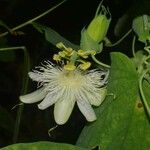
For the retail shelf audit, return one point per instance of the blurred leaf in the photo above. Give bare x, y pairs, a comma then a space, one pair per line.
52, 36
3, 42
3, 25
7, 56
40, 28
42, 146
6, 121
119, 29
8, 53
123, 124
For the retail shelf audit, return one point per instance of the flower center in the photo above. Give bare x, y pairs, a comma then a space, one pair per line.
71, 79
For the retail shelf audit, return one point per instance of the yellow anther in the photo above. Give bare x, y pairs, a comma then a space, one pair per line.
62, 54
69, 52
56, 57
70, 66
85, 54
69, 49
82, 53
63, 47
85, 65
60, 45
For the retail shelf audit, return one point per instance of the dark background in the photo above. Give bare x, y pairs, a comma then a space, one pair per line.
68, 20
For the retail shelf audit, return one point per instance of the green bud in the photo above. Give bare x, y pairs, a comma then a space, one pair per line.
88, 44
92, 37
98, 27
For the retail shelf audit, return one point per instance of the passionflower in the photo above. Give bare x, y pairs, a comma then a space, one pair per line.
98, 27
64, 88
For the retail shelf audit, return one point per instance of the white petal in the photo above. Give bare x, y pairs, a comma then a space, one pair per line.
86, 110
51, 98
35, 76
97, 98
48, 101
63, 109
91, 96
33, 97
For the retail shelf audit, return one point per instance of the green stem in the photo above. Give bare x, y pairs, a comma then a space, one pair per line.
133, 46
120, 40
142, 93
23, 91
100, 63
32, 20
11, 48
24, 86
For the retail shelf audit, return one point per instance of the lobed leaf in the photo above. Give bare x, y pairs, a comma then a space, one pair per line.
122, 123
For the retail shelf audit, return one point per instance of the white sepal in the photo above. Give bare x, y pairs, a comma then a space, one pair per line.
86, 110
33, 97
63, 110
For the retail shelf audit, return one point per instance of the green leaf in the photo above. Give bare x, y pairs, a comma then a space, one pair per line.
6, 120
42, 146
122, 123
141, 26
121, 28
52, 36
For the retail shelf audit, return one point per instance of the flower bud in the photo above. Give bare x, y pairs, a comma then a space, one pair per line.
92, 37
98, 27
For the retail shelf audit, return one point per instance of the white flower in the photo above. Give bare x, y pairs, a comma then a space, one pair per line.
64, 88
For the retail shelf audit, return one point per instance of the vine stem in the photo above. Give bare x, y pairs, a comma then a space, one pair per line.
31, 20
100, 63
133, 46
120, 40
142, 93
23, 91
24, 87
